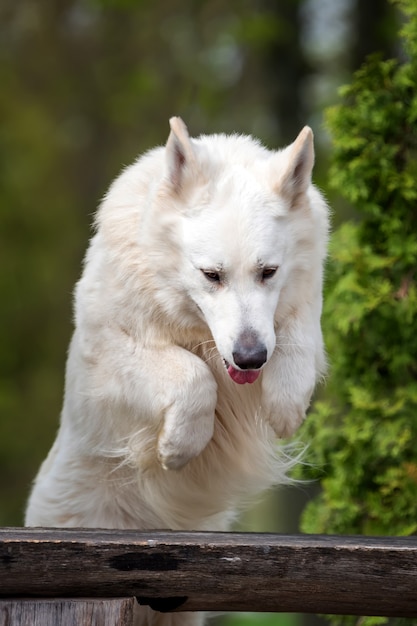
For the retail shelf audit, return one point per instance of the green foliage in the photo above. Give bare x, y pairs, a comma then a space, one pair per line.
256, 619
363, 433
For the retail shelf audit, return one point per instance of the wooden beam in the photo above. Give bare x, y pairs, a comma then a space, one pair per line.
214, 571
109, 611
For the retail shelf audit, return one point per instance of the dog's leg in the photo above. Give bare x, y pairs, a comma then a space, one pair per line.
290, 376
189, 398
165, 386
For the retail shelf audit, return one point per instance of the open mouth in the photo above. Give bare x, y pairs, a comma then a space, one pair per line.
242, 376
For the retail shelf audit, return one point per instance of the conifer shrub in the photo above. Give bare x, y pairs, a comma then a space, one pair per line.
363, 431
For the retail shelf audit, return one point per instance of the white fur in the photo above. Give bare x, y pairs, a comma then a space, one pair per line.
154, 432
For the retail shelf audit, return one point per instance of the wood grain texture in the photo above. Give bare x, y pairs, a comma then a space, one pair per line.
214, 571
87, 612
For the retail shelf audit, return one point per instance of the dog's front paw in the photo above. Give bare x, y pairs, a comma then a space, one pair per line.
177, 448
285, 418
285, 409
287, 386
188, 424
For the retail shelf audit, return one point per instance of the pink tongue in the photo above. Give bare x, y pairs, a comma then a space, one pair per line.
241, 377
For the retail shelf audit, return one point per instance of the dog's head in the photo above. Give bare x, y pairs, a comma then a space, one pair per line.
237, 203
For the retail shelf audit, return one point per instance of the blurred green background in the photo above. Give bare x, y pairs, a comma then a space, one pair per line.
86, 85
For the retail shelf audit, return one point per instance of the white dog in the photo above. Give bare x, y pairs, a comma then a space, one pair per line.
205, 273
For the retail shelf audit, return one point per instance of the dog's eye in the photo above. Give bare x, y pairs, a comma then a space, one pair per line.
268, 272
213, 277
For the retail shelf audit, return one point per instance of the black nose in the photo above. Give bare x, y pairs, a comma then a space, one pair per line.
249, 352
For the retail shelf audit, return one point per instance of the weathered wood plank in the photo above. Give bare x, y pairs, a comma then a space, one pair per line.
68, 612
215, 571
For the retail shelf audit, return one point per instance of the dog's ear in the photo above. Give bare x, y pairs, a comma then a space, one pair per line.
180, 153
297, 164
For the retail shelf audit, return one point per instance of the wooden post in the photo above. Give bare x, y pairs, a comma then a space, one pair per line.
70, 612
214, 571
